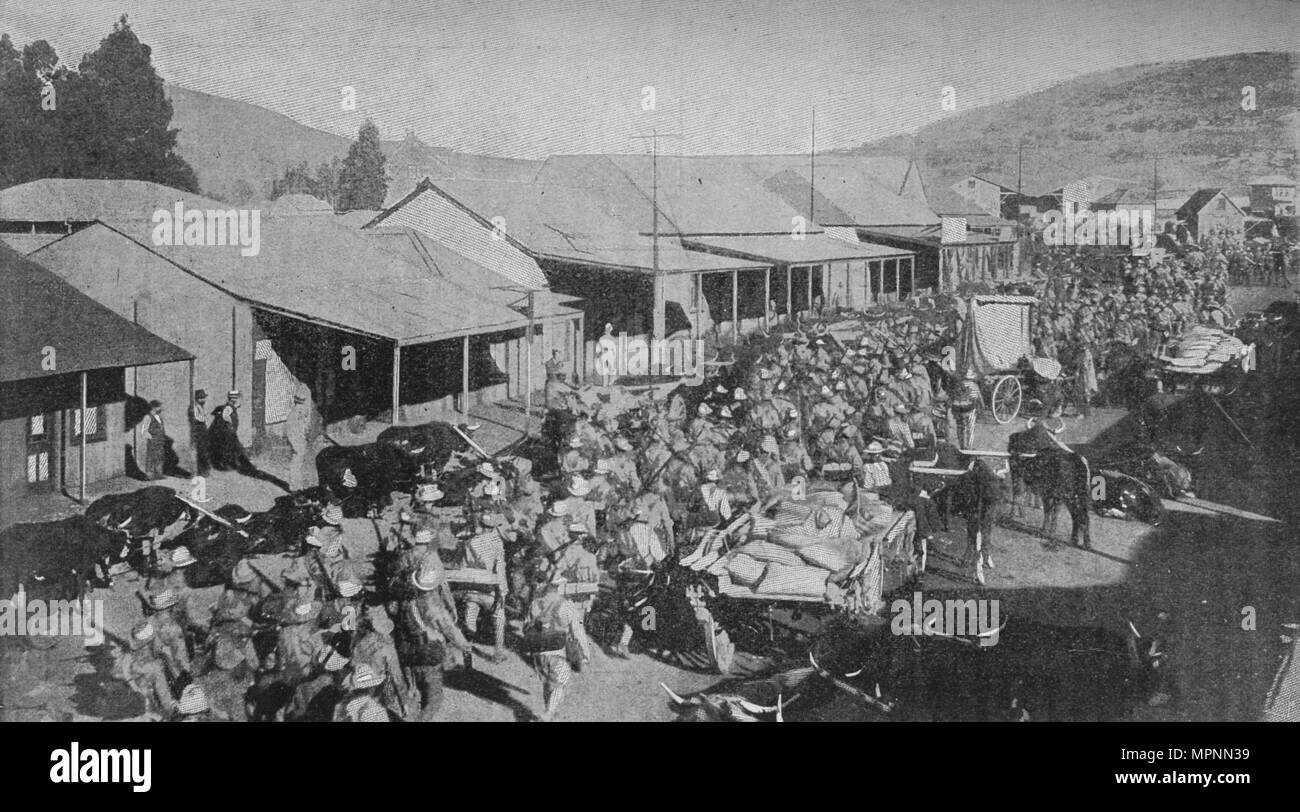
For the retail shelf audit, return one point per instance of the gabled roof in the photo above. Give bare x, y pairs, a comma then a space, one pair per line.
1199, 200
38, 310
1124, 197
312, 269
696, 194
595, 224
474, 279
83, 200
845, 197
468, 232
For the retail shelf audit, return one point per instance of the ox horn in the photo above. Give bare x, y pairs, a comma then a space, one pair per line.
125, 522
674, 696
755, 708
780, 715
1135, 631
877, 690
1029, 422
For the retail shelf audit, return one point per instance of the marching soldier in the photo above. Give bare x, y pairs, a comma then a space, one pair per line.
897, 428
875, 471
554, 532
146, 671
486, 551
358, 702
170, 639
738, 481
375, 649
964, 404
426, 630
921, 429
556, 625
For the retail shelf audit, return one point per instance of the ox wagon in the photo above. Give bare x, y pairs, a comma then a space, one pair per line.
767, 585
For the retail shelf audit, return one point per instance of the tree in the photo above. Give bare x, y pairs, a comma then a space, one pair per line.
110, 117
362, 182
124, 114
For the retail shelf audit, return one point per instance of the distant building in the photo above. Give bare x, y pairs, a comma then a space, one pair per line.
988, 194
1272, 196
1210, 210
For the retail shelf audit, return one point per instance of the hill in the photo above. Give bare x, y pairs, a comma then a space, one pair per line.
1115, 122
237, 148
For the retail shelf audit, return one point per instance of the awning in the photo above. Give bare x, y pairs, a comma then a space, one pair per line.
46, 322
787, 249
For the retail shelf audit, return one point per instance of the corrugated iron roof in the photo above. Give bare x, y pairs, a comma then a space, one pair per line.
844, 196
472, 278
787, 250
597, 224
38, 310
83, 200
313, 269
468, 232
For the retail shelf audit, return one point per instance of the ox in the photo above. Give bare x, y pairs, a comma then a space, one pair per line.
58, 559
1045, 467
431, 443
978, 497
378, 468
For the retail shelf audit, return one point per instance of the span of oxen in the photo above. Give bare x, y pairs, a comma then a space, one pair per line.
1034, 672
978, 496
1044, 466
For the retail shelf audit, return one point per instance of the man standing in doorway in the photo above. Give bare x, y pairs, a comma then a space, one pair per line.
295, 431
199, 432
232, 410
554, 376
156, 445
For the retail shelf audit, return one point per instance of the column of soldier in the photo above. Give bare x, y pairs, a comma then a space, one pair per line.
1088, 305
332, 637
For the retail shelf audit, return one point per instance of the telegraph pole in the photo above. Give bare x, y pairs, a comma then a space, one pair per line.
660, 292
812, 176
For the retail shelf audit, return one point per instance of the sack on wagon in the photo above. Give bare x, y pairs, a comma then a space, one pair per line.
772, 553
798, 581
745, 569
827, 555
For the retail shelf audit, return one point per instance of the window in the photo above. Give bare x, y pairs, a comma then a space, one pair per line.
94, 425
39, 445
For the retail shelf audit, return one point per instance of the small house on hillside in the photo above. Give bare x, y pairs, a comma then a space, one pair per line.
1210, 210
1272, 196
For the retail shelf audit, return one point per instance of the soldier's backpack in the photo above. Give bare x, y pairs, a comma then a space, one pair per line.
546, 633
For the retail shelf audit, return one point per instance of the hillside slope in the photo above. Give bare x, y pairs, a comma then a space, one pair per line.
1187, 114
237, 148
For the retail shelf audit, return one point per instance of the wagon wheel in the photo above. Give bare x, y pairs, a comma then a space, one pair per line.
1005, 402
716, 642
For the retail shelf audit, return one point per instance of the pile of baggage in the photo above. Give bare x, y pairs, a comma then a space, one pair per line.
812, 550
1202, 351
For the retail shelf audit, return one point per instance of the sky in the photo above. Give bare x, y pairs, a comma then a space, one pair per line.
527, 79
